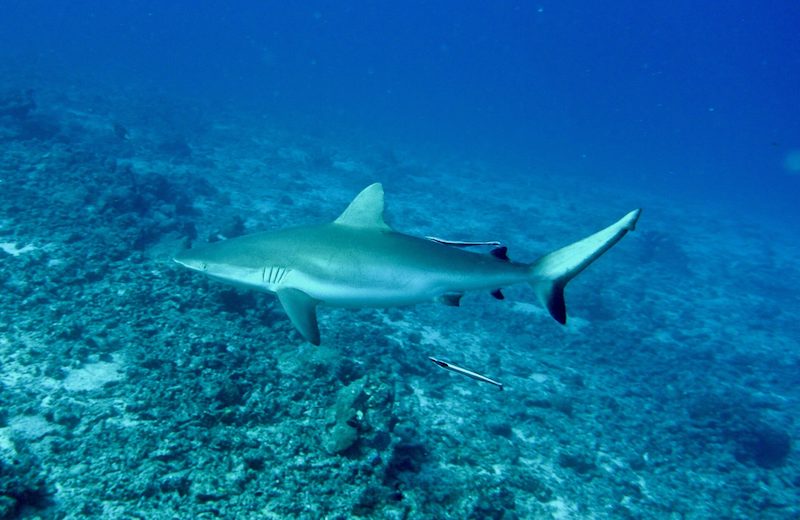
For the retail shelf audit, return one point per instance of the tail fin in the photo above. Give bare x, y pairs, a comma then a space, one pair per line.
551, 273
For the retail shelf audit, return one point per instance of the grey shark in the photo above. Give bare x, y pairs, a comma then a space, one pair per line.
359, 261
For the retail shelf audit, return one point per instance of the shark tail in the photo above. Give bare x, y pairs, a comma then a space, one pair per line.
551, 273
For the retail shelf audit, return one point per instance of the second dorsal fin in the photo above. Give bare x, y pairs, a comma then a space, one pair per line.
500, 253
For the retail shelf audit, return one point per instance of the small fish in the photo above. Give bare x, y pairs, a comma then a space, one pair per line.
465, 372
458, 243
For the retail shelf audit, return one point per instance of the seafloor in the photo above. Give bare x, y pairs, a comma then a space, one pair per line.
130, 388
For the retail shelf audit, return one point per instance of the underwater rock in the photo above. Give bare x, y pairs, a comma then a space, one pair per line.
499, 427
363, 412
763, 444
407, 457
348, 371
737, 420
21, 481
497, 505
178, 482
529, 482
580, 463
351, 400
254, 459
229, 393
66, 415
341, 438
562, 403
370, 499
207, 489
345, 415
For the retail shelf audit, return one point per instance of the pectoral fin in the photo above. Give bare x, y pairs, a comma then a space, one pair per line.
302, 310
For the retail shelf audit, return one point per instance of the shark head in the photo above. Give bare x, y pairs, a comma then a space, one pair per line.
191, 261
217, 261
264, 261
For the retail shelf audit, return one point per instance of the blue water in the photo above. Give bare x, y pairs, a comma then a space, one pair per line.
696, 99
163, 124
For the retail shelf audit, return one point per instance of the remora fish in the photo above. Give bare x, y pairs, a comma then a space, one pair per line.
359, 261
465, 372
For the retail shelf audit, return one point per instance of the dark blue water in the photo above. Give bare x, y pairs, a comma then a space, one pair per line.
130, 387
698, 100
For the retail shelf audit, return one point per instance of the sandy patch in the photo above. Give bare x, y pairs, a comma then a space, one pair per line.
12, 249
92, 376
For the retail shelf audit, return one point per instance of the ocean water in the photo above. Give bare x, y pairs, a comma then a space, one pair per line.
133, 130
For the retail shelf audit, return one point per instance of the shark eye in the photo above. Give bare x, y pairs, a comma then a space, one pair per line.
205, 267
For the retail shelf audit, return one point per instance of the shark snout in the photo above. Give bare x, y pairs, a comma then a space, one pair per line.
188, 262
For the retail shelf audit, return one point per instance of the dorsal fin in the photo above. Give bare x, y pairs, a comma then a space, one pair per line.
366, 210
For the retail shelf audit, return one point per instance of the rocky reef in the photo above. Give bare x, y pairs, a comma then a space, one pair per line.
132, 389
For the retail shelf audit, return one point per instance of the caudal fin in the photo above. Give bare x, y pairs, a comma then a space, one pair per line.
551, 273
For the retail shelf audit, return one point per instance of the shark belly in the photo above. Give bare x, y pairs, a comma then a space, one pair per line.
372, 292
380, 285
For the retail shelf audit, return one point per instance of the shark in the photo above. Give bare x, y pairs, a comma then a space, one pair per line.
359, 261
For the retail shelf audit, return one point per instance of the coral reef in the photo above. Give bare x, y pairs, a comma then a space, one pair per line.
129, 388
